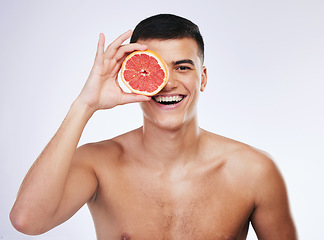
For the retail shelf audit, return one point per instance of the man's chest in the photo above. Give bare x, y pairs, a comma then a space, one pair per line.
146, 206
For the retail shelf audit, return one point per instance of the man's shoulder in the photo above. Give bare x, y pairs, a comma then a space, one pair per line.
100, 147
233, 146
256, 165
110, 148
240, 155
253, 159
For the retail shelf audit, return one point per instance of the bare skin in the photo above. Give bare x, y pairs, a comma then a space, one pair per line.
166, 180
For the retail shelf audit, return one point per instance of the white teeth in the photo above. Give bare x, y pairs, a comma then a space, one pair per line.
168, 99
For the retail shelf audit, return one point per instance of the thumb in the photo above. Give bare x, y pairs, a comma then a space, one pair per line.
133, 97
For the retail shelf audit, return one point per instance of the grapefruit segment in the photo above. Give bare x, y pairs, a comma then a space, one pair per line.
144, 72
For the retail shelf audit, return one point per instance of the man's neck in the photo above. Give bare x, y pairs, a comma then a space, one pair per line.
171, 146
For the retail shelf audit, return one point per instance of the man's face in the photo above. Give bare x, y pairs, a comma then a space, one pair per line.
187, 77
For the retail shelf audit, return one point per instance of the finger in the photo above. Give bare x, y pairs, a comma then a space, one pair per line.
123, 50
113, 47
133, 97
100, 48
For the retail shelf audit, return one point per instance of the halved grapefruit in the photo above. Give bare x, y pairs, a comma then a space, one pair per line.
144, 72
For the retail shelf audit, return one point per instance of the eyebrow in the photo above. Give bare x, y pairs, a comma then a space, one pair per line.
184, 61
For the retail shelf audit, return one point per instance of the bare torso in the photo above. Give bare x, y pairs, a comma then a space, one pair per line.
207, 198
168, 180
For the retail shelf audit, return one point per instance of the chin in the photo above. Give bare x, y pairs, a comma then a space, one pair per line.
168, 122
164, 122
169, 117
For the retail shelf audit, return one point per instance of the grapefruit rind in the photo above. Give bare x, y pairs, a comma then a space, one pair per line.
161, 64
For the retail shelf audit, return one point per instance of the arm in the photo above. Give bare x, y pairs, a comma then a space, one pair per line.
61, 180
271, 218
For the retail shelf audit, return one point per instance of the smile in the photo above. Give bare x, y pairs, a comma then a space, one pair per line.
168, 100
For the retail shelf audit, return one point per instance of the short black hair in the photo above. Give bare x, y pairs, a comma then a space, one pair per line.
168, 26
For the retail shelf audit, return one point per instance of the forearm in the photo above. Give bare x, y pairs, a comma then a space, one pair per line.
42, 189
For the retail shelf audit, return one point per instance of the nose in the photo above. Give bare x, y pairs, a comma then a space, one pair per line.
171, 83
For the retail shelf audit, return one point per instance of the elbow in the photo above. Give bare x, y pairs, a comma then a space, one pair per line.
24, 224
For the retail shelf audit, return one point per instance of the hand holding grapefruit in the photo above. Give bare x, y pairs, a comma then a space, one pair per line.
101, 90
144, 72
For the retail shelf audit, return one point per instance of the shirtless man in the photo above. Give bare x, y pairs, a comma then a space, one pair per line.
169, 179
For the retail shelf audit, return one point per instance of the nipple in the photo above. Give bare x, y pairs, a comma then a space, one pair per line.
125, 236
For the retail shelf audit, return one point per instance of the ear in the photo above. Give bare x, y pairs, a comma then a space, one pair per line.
203, 79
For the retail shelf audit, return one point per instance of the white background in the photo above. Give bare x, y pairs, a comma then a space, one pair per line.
265, 62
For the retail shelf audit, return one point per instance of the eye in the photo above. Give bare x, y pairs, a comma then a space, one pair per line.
183, 68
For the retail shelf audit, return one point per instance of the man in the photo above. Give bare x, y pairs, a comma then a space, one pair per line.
169, 179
